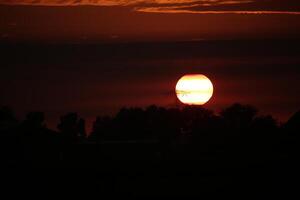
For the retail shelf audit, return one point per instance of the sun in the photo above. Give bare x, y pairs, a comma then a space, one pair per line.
194, 89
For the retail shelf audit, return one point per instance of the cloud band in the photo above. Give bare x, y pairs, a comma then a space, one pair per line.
290, 7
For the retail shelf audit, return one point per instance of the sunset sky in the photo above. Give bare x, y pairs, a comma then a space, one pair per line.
95, 56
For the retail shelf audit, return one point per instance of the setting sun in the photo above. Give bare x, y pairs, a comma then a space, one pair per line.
194, 89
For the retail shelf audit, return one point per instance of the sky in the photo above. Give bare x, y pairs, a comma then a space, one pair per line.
122, 20
95, 56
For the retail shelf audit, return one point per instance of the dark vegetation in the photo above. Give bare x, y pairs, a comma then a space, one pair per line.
156, 151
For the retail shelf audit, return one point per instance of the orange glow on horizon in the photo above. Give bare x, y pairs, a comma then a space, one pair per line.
194, 89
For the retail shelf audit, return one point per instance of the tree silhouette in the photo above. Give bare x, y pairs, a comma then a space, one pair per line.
34, 121
238, 116
9, 146
292, 136
235, 137
265, 123
7, 114
293, 124
72, 127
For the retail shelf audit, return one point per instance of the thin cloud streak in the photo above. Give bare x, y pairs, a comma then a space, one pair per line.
176, 10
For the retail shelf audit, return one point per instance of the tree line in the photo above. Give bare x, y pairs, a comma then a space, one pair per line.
155, 133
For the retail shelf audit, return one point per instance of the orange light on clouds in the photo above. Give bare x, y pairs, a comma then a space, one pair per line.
194, 89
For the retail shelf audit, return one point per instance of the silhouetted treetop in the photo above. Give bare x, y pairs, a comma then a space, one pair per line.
71, 126
6, 114
35, 120
7, 119
238, 116
293, 124
265, 123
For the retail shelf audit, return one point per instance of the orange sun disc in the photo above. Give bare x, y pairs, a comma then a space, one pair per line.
194, 89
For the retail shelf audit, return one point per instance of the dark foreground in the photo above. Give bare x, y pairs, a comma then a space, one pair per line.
157, 152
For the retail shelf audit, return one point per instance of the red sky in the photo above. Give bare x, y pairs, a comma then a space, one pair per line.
114, 20
131, 53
